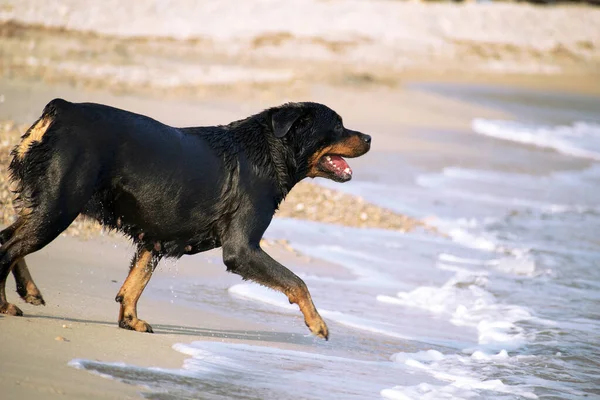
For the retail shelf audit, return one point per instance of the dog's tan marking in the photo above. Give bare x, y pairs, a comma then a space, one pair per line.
301, 296
25, 212
139, 275
26, 287
35, 134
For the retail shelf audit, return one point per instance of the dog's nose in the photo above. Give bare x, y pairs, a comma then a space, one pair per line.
367, 139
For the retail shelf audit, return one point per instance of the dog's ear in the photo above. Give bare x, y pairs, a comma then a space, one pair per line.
284, 118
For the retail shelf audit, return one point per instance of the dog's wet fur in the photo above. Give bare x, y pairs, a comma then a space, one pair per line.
174, 191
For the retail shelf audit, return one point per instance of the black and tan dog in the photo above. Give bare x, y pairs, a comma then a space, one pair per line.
174, 191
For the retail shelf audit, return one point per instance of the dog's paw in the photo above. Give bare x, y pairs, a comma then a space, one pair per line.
318, 327
136, 325
29, 292
10, 309
34, 298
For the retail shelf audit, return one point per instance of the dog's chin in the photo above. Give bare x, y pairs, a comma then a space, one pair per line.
334, 167
339, 179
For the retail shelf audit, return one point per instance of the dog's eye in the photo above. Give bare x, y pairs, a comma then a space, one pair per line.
339, 127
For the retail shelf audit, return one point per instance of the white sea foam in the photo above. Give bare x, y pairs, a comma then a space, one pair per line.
520, 263
79, 363
460, 230
463, 373
249, 371
461, 260
468, 239
471, 233
581, 139
458, 269
465, 302
425, 391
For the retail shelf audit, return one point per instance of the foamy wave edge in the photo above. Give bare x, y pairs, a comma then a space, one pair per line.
566, 139
463, 385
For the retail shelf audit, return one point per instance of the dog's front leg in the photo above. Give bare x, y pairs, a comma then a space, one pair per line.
251, 262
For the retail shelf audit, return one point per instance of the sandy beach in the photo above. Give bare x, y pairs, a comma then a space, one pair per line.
407, 84
79, 321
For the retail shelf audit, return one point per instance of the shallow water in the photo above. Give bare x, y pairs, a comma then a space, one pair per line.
506, 307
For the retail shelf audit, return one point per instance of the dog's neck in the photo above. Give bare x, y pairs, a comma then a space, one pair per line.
284, 164
272, 156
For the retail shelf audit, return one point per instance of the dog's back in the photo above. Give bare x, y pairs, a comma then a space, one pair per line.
98, 157
111, 132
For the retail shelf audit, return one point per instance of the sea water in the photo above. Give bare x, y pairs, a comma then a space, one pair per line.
504, 303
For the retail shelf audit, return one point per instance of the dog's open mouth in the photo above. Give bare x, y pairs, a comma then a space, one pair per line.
336, 166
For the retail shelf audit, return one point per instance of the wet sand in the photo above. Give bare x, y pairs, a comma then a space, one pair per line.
79, 279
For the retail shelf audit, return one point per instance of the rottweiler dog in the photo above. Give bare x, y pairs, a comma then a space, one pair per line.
173, 191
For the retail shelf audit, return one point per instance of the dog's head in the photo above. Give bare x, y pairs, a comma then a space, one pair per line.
319, 139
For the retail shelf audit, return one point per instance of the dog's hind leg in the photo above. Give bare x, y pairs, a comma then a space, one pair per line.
26, 287
56, 208
37, 230
32, 234
143, 264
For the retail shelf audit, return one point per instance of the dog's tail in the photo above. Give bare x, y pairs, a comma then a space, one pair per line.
31, 156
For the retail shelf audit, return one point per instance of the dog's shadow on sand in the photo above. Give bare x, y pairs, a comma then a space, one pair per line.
165, 329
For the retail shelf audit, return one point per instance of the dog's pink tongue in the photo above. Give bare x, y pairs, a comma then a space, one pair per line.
340, 166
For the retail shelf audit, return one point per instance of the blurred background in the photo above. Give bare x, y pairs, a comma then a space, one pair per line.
266, 49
